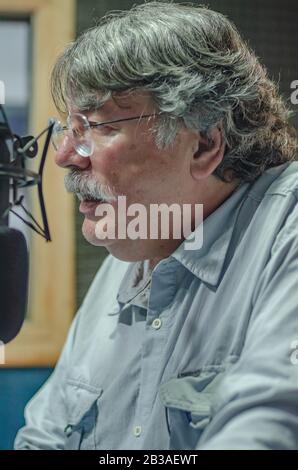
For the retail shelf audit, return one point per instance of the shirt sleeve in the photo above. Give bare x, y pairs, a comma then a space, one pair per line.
45, 414
256, 404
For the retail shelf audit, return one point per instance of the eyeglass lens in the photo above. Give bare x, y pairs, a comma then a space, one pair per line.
78, 130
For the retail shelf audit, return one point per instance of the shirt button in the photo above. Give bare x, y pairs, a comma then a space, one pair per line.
156, 324
137, 431
68, 430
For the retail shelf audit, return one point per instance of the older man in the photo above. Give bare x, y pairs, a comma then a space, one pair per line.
175, 348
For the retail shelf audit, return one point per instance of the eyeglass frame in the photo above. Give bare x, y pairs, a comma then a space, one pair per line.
93, 124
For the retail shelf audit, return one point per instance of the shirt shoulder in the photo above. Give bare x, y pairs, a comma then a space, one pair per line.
287, 182
286, 186
275, 209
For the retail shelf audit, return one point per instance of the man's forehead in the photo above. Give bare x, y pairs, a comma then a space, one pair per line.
122, 101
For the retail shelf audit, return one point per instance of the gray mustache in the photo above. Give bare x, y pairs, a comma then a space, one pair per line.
86, 187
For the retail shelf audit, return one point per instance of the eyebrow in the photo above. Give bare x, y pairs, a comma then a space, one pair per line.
93, 104
102, 114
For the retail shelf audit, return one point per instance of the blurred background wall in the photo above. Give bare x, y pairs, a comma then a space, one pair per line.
271, 29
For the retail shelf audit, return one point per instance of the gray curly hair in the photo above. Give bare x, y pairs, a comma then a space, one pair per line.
198, 70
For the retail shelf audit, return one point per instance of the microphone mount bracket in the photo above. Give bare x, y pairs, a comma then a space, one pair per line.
15, 175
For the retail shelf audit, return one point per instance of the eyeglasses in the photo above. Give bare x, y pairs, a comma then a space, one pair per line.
79, 130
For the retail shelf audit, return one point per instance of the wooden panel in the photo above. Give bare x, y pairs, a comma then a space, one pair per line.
20, 6
52, 270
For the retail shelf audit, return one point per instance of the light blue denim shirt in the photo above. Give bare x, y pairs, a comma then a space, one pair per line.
200, 354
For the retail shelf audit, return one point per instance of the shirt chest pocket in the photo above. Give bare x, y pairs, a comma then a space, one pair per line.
80, 429
188, 402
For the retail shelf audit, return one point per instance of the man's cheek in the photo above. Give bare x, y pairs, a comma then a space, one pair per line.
107, 157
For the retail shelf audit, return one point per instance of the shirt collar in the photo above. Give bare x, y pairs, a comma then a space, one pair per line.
135, 285
207, 262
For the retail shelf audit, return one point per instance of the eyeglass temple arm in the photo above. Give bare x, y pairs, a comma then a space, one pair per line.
95, 124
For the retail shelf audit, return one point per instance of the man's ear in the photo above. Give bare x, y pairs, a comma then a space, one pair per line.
208, 155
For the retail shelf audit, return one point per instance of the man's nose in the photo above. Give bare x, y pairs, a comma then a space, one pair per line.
67, 156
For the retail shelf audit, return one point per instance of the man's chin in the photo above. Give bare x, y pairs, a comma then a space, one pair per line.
91, 235
123, 249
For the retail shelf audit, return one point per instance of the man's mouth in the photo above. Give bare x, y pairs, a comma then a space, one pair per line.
88, 206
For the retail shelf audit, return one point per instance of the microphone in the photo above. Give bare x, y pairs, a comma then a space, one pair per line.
14, 258
13, 282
